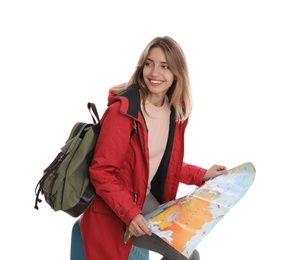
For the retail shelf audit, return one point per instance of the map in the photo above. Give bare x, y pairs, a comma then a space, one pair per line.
184, 222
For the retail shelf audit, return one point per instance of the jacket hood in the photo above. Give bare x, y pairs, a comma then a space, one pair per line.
129, 98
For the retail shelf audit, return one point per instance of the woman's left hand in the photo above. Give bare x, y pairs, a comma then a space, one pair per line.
214, 171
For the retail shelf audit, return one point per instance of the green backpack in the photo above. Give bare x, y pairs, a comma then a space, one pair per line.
65, 183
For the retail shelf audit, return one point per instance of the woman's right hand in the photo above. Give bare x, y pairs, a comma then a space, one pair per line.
138, 226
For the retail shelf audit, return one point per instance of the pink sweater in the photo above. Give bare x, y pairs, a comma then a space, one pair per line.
157, 120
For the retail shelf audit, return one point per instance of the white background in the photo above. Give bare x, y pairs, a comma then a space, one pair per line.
55, 56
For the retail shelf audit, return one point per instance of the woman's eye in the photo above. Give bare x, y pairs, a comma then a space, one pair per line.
165, 66
148, 64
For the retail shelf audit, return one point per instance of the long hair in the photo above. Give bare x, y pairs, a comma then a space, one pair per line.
179, 93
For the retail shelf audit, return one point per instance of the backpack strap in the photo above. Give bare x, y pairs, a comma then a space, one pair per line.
93, 112
95, 116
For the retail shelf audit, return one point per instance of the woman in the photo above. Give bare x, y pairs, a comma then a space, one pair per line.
138, 161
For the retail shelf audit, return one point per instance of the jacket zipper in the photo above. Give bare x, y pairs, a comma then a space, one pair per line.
135, 126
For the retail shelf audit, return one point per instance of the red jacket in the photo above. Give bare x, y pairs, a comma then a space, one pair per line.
119, 173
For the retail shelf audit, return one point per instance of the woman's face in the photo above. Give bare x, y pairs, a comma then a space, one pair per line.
157, 75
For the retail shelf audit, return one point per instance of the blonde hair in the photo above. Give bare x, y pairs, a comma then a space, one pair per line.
180, 92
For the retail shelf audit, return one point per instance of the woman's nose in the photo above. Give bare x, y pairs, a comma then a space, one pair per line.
155, 71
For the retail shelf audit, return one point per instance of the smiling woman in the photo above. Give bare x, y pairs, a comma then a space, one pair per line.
133, 176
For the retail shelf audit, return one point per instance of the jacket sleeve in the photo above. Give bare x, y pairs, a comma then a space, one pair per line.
192, 174
109, 156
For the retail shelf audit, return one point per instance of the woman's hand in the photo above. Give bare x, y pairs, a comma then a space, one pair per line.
215, 171
138, 226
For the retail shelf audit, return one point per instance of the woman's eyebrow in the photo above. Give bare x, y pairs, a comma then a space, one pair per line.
163, 62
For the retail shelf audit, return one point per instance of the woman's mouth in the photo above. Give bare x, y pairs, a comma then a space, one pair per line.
154, 82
